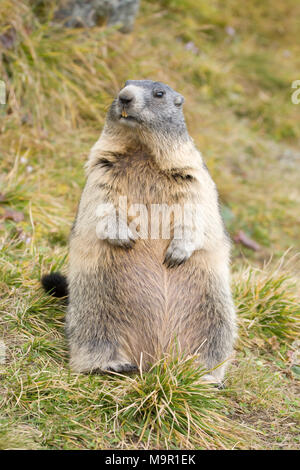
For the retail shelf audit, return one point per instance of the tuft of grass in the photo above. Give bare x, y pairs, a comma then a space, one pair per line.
171, 406
268, 306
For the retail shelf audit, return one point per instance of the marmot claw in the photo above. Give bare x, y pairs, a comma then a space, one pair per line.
177, 254
127, 367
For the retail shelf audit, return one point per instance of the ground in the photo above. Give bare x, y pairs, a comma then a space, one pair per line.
235, 64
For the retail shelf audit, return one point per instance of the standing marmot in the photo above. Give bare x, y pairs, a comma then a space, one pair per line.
132, 296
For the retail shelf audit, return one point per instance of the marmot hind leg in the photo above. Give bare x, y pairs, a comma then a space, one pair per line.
91, 329
214, 330
86, 358
218, 347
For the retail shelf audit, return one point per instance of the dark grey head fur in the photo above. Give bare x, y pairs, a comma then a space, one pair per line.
148, 106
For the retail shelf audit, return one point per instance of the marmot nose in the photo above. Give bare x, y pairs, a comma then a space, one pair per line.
125, 97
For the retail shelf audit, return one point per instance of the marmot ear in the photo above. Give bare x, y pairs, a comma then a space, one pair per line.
178, 101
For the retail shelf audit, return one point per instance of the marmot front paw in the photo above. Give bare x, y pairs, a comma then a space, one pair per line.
127, 242
116, 232
178, 252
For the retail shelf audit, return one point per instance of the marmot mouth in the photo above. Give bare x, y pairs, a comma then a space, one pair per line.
127, 117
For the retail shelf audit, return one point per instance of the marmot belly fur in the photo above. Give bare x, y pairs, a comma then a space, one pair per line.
132, 296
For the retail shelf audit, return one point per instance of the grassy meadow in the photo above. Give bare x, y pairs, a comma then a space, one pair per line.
235, 63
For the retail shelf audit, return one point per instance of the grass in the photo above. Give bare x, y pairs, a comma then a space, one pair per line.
268, 306
234, 64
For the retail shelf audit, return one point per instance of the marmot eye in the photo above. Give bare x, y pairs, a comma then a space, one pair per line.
159, 93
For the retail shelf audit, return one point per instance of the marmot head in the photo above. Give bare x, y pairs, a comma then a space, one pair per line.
148, 106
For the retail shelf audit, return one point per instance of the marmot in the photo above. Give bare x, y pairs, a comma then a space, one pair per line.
132, 297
